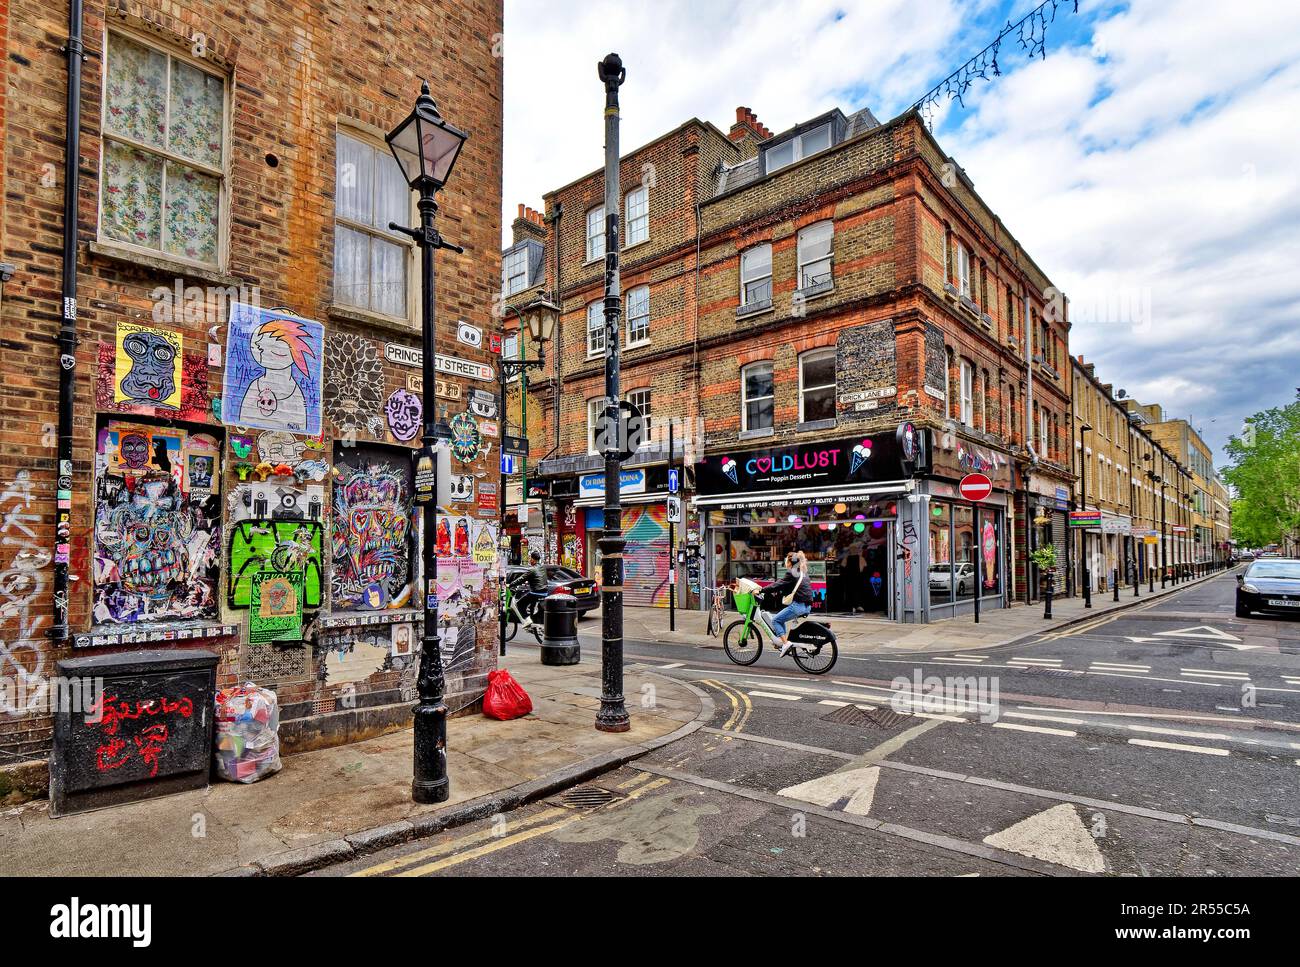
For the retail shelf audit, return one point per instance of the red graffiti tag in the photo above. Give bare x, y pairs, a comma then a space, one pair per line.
110, 714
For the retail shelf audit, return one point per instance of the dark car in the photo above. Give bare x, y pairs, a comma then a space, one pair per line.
560, 578
1270, 584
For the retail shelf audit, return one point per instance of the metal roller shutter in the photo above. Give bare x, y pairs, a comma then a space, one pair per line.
645, 559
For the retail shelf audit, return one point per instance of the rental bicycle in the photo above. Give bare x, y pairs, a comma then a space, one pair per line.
813, 643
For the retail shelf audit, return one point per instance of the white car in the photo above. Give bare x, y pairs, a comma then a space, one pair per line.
941, 576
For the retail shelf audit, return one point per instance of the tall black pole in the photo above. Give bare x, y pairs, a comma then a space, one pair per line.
430, 771
1083, 531
1164, 537
503, 558
672, 545
612, 716
977, 544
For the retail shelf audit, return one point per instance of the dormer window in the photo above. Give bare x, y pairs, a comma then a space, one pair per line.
797, 148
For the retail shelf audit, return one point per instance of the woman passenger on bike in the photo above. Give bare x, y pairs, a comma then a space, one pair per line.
794, 586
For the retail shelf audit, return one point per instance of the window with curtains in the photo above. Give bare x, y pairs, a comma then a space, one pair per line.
638, 315
164, 152
817, 385
757, 396
637, 210
595, 328
596, 233
370, 261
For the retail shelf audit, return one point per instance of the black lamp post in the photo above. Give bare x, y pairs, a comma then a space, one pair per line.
1164, 539
538, 317
1083, 531
426, 148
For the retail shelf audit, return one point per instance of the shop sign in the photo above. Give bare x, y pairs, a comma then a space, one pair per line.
487, 496
1085, 518
1116, 525
1062, 499
854, 460
1179, 529
629, 482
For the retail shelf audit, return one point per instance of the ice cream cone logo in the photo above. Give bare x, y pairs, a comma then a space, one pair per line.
861, 453
729, 468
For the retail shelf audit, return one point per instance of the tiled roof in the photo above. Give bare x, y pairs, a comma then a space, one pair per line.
750, 170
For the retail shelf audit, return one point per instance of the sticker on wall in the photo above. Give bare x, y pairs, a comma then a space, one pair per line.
354, 388
147, 366
202, 471
485, 542
276, 610
403, 640
278, 447
372, 536
132, 450
404, 413
462, 487
194, 402
274, 366
465, 437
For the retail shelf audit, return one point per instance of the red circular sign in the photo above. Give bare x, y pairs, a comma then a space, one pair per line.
975, 486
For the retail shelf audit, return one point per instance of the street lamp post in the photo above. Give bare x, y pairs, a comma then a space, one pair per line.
426, 147
1083, 476
612, 716
538, 317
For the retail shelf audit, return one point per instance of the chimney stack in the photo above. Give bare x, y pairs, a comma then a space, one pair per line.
748, 132
528, 224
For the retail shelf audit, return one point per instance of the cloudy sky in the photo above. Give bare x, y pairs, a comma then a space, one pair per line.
1150, 163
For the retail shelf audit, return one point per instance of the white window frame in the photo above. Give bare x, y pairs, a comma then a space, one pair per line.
746, 281
963, 270
510, 349
595, 413
804, 359
632, 338
798, 152
634, 396
596, 239
514, 266
746, 399
406, 244
596, 312
222, 174
1043, 443
636, 228
808, 236
966, 391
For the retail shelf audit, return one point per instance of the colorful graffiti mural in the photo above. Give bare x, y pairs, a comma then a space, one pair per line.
645, 559
372, 534
273, 371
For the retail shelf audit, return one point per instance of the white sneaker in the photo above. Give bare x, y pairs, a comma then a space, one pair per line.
783, 649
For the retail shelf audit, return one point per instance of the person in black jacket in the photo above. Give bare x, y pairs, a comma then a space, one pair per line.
796, 581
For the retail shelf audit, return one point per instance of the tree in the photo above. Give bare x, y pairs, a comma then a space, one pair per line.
1265, 473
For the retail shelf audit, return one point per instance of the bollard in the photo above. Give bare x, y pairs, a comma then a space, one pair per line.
560, 631
1114, 580
1151, 581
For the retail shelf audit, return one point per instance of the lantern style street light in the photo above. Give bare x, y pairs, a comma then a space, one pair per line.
426, 148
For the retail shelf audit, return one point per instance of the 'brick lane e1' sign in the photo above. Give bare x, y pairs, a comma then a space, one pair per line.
146, 732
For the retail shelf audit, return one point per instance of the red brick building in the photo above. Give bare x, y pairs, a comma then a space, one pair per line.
246, 370
790, 302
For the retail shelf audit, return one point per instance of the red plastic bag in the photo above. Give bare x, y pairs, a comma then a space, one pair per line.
505, 697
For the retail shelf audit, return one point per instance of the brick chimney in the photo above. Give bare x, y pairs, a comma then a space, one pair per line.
748, 132
528, 224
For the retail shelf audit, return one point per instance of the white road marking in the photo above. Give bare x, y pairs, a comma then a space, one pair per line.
1177, 747
1153, 730
784, 698
857, 785
1150, 678
941, 718
1199, 631
1055, 835
1116, 666
1219, 676
1036, 661
1035, 728
968, 661
676, 664
1043, 718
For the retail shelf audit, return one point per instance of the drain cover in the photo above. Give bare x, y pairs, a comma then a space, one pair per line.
588, 797
848, 715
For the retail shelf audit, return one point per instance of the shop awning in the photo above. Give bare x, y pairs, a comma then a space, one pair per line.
807, 496
623, 499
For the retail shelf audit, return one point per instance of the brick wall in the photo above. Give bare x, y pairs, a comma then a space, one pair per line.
296, 73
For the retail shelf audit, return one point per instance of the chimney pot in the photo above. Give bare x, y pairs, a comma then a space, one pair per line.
521, 209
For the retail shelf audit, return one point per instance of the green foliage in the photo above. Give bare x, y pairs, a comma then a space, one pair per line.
1044, 558
1265, 473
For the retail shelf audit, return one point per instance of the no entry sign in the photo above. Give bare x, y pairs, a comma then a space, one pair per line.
975, 487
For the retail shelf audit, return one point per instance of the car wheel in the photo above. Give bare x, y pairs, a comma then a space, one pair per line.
1243, 612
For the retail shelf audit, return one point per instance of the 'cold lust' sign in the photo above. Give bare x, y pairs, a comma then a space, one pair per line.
815, 465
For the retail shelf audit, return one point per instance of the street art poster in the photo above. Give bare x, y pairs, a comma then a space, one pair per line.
260, 545
274, 370
404, 413
156, 541
354, 387
147, 366
373, 540
465, 437
645, 560
276, 610
485, 542
403, 642
194, 401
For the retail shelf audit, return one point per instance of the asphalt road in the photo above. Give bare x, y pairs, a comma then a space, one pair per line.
1161, 741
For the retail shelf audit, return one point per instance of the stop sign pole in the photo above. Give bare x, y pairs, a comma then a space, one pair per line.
976, 487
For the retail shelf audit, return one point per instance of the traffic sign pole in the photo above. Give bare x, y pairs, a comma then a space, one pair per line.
976, 487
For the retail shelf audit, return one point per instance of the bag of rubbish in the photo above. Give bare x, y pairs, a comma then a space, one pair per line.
247, 733
505, 698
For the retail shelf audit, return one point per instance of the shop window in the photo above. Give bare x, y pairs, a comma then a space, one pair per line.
157, 532
756, 276
817, 385
373, 532
757, 396
370, 260
163, 152
596, 234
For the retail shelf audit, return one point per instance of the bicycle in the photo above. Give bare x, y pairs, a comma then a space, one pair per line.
716, 611
515, 617
814, 646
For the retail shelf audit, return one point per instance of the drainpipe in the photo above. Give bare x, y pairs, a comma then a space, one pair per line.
68, 324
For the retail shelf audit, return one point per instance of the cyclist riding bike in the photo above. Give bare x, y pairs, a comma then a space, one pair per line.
534, 581
795, 587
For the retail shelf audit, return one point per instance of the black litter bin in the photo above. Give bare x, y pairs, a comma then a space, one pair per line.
560, 631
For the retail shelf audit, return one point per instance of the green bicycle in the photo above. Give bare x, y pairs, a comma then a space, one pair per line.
814, 647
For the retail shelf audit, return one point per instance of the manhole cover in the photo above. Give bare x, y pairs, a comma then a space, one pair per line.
588, 797
885, 718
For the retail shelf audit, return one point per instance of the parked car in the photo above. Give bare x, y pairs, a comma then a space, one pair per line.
1270, 584
560, 578
941, 577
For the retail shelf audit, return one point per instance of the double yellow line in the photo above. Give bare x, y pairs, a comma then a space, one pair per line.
741, 706
453, 852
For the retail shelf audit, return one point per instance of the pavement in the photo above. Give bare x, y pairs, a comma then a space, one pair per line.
1162, 740
863, 635
340, 803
